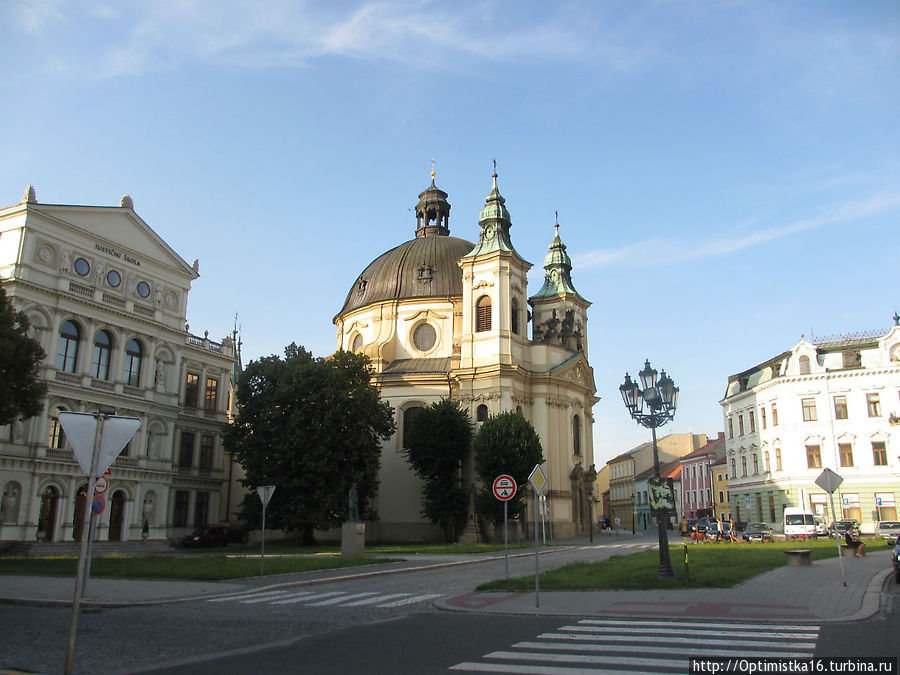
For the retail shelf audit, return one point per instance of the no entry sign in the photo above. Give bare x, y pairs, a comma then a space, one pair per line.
504, 487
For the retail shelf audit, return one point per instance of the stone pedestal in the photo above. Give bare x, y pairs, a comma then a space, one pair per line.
353, 539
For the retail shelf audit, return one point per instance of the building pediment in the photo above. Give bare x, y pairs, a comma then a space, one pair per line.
114, 235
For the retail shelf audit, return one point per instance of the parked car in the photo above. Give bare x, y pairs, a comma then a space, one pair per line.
821, 529
895, 561
889, 529
758, 532
207, 535
842, 526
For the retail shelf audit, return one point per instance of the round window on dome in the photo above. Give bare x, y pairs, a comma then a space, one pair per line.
424, 337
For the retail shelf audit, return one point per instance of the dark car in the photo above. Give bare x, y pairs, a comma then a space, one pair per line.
207, 535
843, 526
758, 532
895, 561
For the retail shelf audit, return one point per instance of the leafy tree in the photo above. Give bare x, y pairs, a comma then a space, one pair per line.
21, 393
436, 445
312, 427
505, 444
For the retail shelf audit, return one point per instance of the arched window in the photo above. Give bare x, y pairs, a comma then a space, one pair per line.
409, 419
483, 314
804, 365
67, 352
481, 413
132, 371
357, 343
100, 357
576, 435
514, 316
57, 437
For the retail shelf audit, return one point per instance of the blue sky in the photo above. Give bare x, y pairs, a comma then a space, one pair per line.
726, 173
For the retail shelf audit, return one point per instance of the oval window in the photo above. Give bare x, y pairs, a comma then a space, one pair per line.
143, 289
424, 337
113, 278
83, 267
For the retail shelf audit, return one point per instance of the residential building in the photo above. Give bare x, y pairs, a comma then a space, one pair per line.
825, 403
624, 469
721, 503
107, 299
697, 480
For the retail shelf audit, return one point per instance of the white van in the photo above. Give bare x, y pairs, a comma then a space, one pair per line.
799, 523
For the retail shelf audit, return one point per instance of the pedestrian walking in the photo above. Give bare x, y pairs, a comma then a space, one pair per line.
618, 522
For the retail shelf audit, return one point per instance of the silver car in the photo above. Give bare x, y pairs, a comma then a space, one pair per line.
889, 529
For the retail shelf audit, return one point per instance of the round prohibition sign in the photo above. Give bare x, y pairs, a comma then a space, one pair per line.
101, 485
504, 487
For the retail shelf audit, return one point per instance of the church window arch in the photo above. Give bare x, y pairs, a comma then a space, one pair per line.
514, 316
357, 343
576, 435
409, 419
804, 365
481, 413
483, 314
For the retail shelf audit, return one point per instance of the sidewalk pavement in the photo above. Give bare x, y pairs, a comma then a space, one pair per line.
788, 594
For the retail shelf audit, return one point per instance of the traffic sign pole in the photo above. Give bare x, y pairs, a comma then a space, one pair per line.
85, 537
504, 488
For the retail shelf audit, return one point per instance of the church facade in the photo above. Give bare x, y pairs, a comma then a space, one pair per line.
442, 317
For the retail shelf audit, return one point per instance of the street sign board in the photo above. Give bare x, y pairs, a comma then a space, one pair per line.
504, 487
101, 485
265, 493
99, 504
829, 481
81, 430
537, 479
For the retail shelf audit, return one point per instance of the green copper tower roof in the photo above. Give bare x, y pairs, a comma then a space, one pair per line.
495, 222
558, 266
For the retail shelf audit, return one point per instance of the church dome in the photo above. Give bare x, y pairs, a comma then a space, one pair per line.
420, 268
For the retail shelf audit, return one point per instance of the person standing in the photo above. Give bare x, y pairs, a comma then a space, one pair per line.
618, 522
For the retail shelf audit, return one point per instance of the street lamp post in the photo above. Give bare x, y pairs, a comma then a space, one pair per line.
651, 403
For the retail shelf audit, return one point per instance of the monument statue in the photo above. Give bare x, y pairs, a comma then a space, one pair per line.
353, 513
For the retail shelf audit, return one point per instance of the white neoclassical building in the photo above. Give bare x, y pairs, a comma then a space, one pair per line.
107, 299
441, 317
832, 402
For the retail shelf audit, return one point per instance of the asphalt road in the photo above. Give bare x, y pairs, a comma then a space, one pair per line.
387, 624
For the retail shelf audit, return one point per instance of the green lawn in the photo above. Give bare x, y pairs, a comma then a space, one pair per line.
234, 562
711, 565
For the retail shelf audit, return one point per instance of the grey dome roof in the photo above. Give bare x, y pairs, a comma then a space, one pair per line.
420, 268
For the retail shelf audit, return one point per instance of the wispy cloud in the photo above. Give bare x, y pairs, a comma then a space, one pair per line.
651, 251
131, 37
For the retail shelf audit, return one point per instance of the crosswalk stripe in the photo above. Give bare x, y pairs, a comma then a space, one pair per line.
609, 660
238, 598
672, 640
305, 597
377, 599
341, 599
413, 600
701, 624
522, 669
686, 651
684, 630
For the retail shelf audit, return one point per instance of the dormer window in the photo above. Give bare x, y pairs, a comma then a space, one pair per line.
426, 274
361, 285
